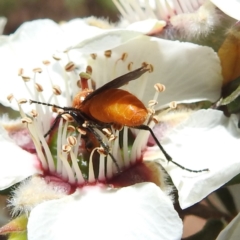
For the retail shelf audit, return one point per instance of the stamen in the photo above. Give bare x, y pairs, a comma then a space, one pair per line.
55, 57
173, 105
71, 128
124, 56
34, 113
26, 120
108, 53
89, 70
10, 97
38, 87
20, 71
66, 148
70, 67
72, 141
46, 62
25, 78
94, 56
152, 103
57, 90
159, 87
22, 101
129, 67
37, 70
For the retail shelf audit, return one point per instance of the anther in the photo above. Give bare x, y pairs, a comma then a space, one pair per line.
66, 148
89, 70
57, 90
71, 128
55, 57
26, 120
10, 97
151, 111
173, 105
129, 67
37, 70
34, 113
108, 53
93, 56
70, 67
107, 131
156, 119
150, 68
159, 87
20, 71
152, 103
38, 87
124, 56
67, 117
25, 78
85, 124
22, 100
72, 141
46, 62
101, 150
81, 131
112, 138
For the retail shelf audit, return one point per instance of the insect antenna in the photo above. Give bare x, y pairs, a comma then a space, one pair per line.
46, 104
168, 157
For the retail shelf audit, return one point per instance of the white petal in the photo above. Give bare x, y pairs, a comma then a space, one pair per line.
138, 212
190, 72
16, 164
106, 40
146, 26
207, 139
232, 231
230, 7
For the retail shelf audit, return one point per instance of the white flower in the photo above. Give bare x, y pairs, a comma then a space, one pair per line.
189, 73
186, 20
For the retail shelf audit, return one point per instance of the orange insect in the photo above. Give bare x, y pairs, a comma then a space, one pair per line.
109, 105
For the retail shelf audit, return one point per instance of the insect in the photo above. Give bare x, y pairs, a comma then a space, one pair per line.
110, 105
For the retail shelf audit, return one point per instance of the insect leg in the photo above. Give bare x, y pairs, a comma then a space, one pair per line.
168, 157
104, 145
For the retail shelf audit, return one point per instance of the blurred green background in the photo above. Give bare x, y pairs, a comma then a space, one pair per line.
19, 11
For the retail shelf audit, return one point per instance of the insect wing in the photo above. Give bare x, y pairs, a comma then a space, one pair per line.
118, 82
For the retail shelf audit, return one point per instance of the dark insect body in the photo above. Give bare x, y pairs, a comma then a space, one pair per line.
107, 106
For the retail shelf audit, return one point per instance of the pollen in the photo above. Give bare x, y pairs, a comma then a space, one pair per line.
89, 70
46, 62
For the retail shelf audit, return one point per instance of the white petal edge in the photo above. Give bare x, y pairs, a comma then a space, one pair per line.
230, 7
232, 231
207, 139
105, 41
16, 164
189, 72
138, 212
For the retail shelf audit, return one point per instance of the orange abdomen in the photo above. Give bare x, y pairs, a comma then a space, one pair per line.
116, 106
